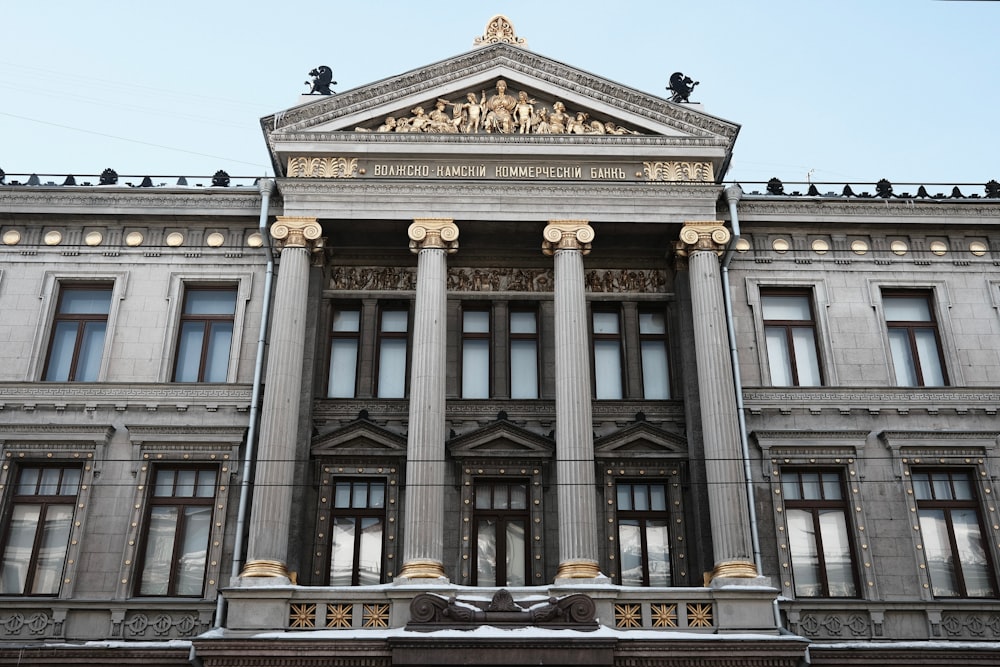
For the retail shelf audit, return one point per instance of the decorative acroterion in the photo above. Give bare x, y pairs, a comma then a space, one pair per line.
499, 30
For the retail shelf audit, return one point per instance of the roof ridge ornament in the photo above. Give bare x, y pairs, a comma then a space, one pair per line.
499, 30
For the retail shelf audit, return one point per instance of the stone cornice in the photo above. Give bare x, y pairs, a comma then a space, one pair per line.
159, 202
752, 210
404, 138
872, 399
122, 396
390, 90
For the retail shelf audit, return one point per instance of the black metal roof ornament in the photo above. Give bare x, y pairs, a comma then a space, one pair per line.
681, 87
322, 80
109, 177
220, 179
884, 188
775, 187
2, 177
992, 188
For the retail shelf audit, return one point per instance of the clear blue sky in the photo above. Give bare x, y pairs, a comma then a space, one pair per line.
848, 90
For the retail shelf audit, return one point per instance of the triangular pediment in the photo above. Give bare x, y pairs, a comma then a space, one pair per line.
501, 439
359, 438
611, 117
641, 440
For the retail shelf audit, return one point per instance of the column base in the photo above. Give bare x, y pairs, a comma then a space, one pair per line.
269, 569
573, 571
422, 569
732, 569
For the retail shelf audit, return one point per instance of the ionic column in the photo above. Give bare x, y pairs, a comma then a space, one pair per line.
267, 548
423, 528
568, 241
702, 243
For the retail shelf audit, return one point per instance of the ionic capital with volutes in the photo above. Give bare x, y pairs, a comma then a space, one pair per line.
428, 233
702, 235
297, 232
567, 235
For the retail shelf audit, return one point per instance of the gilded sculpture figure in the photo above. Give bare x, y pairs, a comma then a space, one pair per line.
501, 113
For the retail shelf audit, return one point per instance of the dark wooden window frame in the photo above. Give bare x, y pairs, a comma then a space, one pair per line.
502, 516
533, 337
663, 338
951, 504
618, 337
474, 307
813, 506
789, 325
389, 307
44, 501
344, 335
911, 326
152, 501
644, 516
207, 322
80, 318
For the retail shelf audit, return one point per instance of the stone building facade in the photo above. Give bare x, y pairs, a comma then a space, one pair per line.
498, 366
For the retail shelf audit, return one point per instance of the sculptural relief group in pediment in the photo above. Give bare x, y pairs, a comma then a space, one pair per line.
501, 113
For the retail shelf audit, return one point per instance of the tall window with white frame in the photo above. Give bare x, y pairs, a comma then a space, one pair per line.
206, 334
345, 333
523, 353
501, 520
653, 353
79, 327
607, 341
392, 351
36, 530
643, 533
955, 544
818, 531
790, 335
175, 537
913, 338
476, 346
357, 532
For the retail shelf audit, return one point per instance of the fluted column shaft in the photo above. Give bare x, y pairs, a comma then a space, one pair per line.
568, 241
423, 536
702, 243
267, 548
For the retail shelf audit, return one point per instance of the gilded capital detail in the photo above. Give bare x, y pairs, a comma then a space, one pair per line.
322, 167
430, 233
679, 171
702, 235
297, 232
567, 235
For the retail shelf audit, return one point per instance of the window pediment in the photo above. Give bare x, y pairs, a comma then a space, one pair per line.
360, 438
501, 439
641, 440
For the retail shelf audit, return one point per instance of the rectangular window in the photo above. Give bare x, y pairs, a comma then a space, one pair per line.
357, 533
653, 353
913, 339
501, 518
345, 335
392, 347
476, 354
816, 514
36, 533
607, 354
177, 529
206, 334
790, 335
955, 545
523, 354
643, 534
78, 330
